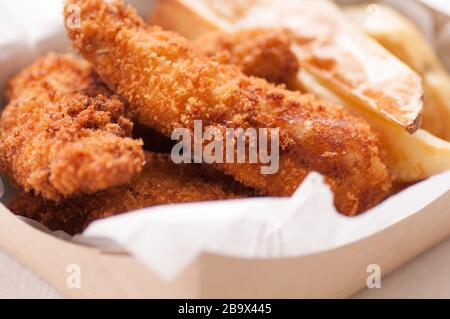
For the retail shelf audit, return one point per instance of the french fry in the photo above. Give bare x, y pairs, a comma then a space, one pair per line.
411, 157
333, 50
402, 38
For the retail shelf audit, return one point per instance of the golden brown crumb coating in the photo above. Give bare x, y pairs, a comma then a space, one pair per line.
160, 182
168, 85
63, 133
261, 53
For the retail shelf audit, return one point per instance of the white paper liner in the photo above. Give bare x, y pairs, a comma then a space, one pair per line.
168, 238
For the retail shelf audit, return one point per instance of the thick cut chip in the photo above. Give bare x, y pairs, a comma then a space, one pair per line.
402, 38
411, 157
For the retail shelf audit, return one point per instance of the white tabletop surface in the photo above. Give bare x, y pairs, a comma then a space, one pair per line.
427, 276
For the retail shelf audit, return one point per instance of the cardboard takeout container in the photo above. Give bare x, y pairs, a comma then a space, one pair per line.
335, 273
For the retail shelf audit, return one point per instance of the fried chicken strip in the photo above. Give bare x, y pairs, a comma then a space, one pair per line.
262, 53
168, 85
64, 133
160, 182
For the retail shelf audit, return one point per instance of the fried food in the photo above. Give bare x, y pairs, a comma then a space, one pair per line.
262, 53
169, 85
64, 133
410, 157
326, 44
401, 37
160, 182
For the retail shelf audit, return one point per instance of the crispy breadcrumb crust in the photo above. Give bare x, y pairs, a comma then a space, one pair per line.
261, 53
168, 85
64, 133
160, 182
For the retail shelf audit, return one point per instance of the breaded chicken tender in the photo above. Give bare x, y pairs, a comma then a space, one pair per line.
168, 85
160, 182
262, 53
64, 133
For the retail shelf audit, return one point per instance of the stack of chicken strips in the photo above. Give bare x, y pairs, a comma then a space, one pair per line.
73, 130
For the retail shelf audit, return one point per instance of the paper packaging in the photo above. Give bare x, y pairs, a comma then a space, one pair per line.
297, 247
